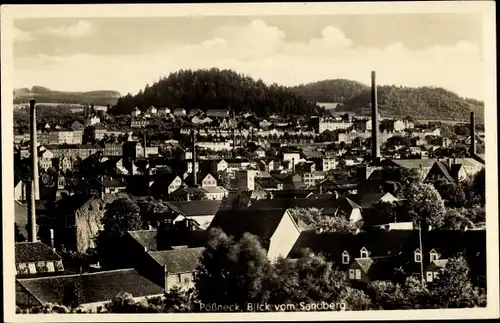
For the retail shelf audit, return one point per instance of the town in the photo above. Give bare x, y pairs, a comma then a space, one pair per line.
162, 202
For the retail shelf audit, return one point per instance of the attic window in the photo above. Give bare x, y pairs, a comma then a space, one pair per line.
434, 255
364, 253
345, 258
418, 255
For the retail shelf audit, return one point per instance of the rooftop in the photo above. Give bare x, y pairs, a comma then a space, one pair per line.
179, 260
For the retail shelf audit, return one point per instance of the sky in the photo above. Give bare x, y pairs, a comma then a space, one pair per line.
125, 54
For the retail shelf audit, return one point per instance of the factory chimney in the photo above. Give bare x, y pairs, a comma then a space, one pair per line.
472, 135
195, 175
375, 139
33, 185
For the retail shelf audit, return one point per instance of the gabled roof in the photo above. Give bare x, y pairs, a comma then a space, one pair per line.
444, 170
414, 163
262, 223
97, 287
195, 208
146, 238
34, 251
327, 205
184, 260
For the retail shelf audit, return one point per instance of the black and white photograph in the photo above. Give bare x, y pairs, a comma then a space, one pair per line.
296, 161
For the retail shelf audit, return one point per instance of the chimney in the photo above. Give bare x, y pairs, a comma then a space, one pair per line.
472, 135
33, 185
195, 175
145, 144
293, 165
52, 245
375, 139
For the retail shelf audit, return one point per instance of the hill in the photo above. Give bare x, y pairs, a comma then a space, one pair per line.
394, 101
45, 95
420, 103
337, 90
217, 89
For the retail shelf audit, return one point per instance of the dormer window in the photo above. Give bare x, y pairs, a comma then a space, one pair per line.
418, 255
434, 255
345, 257
364, 253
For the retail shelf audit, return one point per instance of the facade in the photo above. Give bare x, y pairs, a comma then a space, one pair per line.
246, 179
333, 124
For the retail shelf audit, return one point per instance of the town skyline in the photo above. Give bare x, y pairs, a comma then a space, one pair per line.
129, 53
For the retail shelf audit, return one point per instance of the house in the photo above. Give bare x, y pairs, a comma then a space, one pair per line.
215, 192
110, 185
179, 266
260, 152
375, 255
217, 113
139, 123
34, 258
152, 110
163, 111
276, 229
454, 169
97, 288
214, 145
179, 112
135, 112
332, 124
165, 184
202, 211
434, 269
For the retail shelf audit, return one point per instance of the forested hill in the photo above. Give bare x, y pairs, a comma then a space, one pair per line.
421, 102
45, 95
337, 90
217, 89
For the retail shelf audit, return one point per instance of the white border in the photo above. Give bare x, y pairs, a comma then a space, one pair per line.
485, 8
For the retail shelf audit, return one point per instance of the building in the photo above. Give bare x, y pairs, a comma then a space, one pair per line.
34, 258
333, 124
202, 212
179, 113
276, 229
163, 111
246, 179
139, 122
135, 112
113, 149
152, 110
217, 113
214, 145
97, 288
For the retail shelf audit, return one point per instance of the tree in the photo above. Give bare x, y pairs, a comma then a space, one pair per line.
456, 219
73, 294
312, 218
125, 303
452, 193
198, 195
402, 177
453, 288
478, 186
178, 301
233, 272
121, 215
425, 204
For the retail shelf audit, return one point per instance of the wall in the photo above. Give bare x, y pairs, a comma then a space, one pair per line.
284, 238
180, 280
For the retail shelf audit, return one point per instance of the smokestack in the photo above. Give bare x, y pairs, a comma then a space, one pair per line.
195, 175
145, 144
33, 185
472, 135
375, 143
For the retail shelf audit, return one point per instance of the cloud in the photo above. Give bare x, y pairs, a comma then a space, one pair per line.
262, 51
22, 36
81, 28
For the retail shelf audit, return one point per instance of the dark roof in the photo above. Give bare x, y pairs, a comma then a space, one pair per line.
34, 251
97, 287
111, 182
366, 200
327, 205
379, 268
146, 238
179, 260
194, 208
443, 169
262, 223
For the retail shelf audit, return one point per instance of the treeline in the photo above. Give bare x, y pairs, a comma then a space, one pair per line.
217, 89
337, 90
44, 95
420, 103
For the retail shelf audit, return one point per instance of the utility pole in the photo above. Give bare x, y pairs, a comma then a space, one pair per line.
421, 252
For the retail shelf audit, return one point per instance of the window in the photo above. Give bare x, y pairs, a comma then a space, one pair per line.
31, 268
50, 266
345, 257
186, 280
351, 274
179, 278
436, 274
418, 255
358, 273
364, 253
429, 276
434, 255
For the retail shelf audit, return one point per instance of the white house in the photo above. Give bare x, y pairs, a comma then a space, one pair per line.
135, 112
